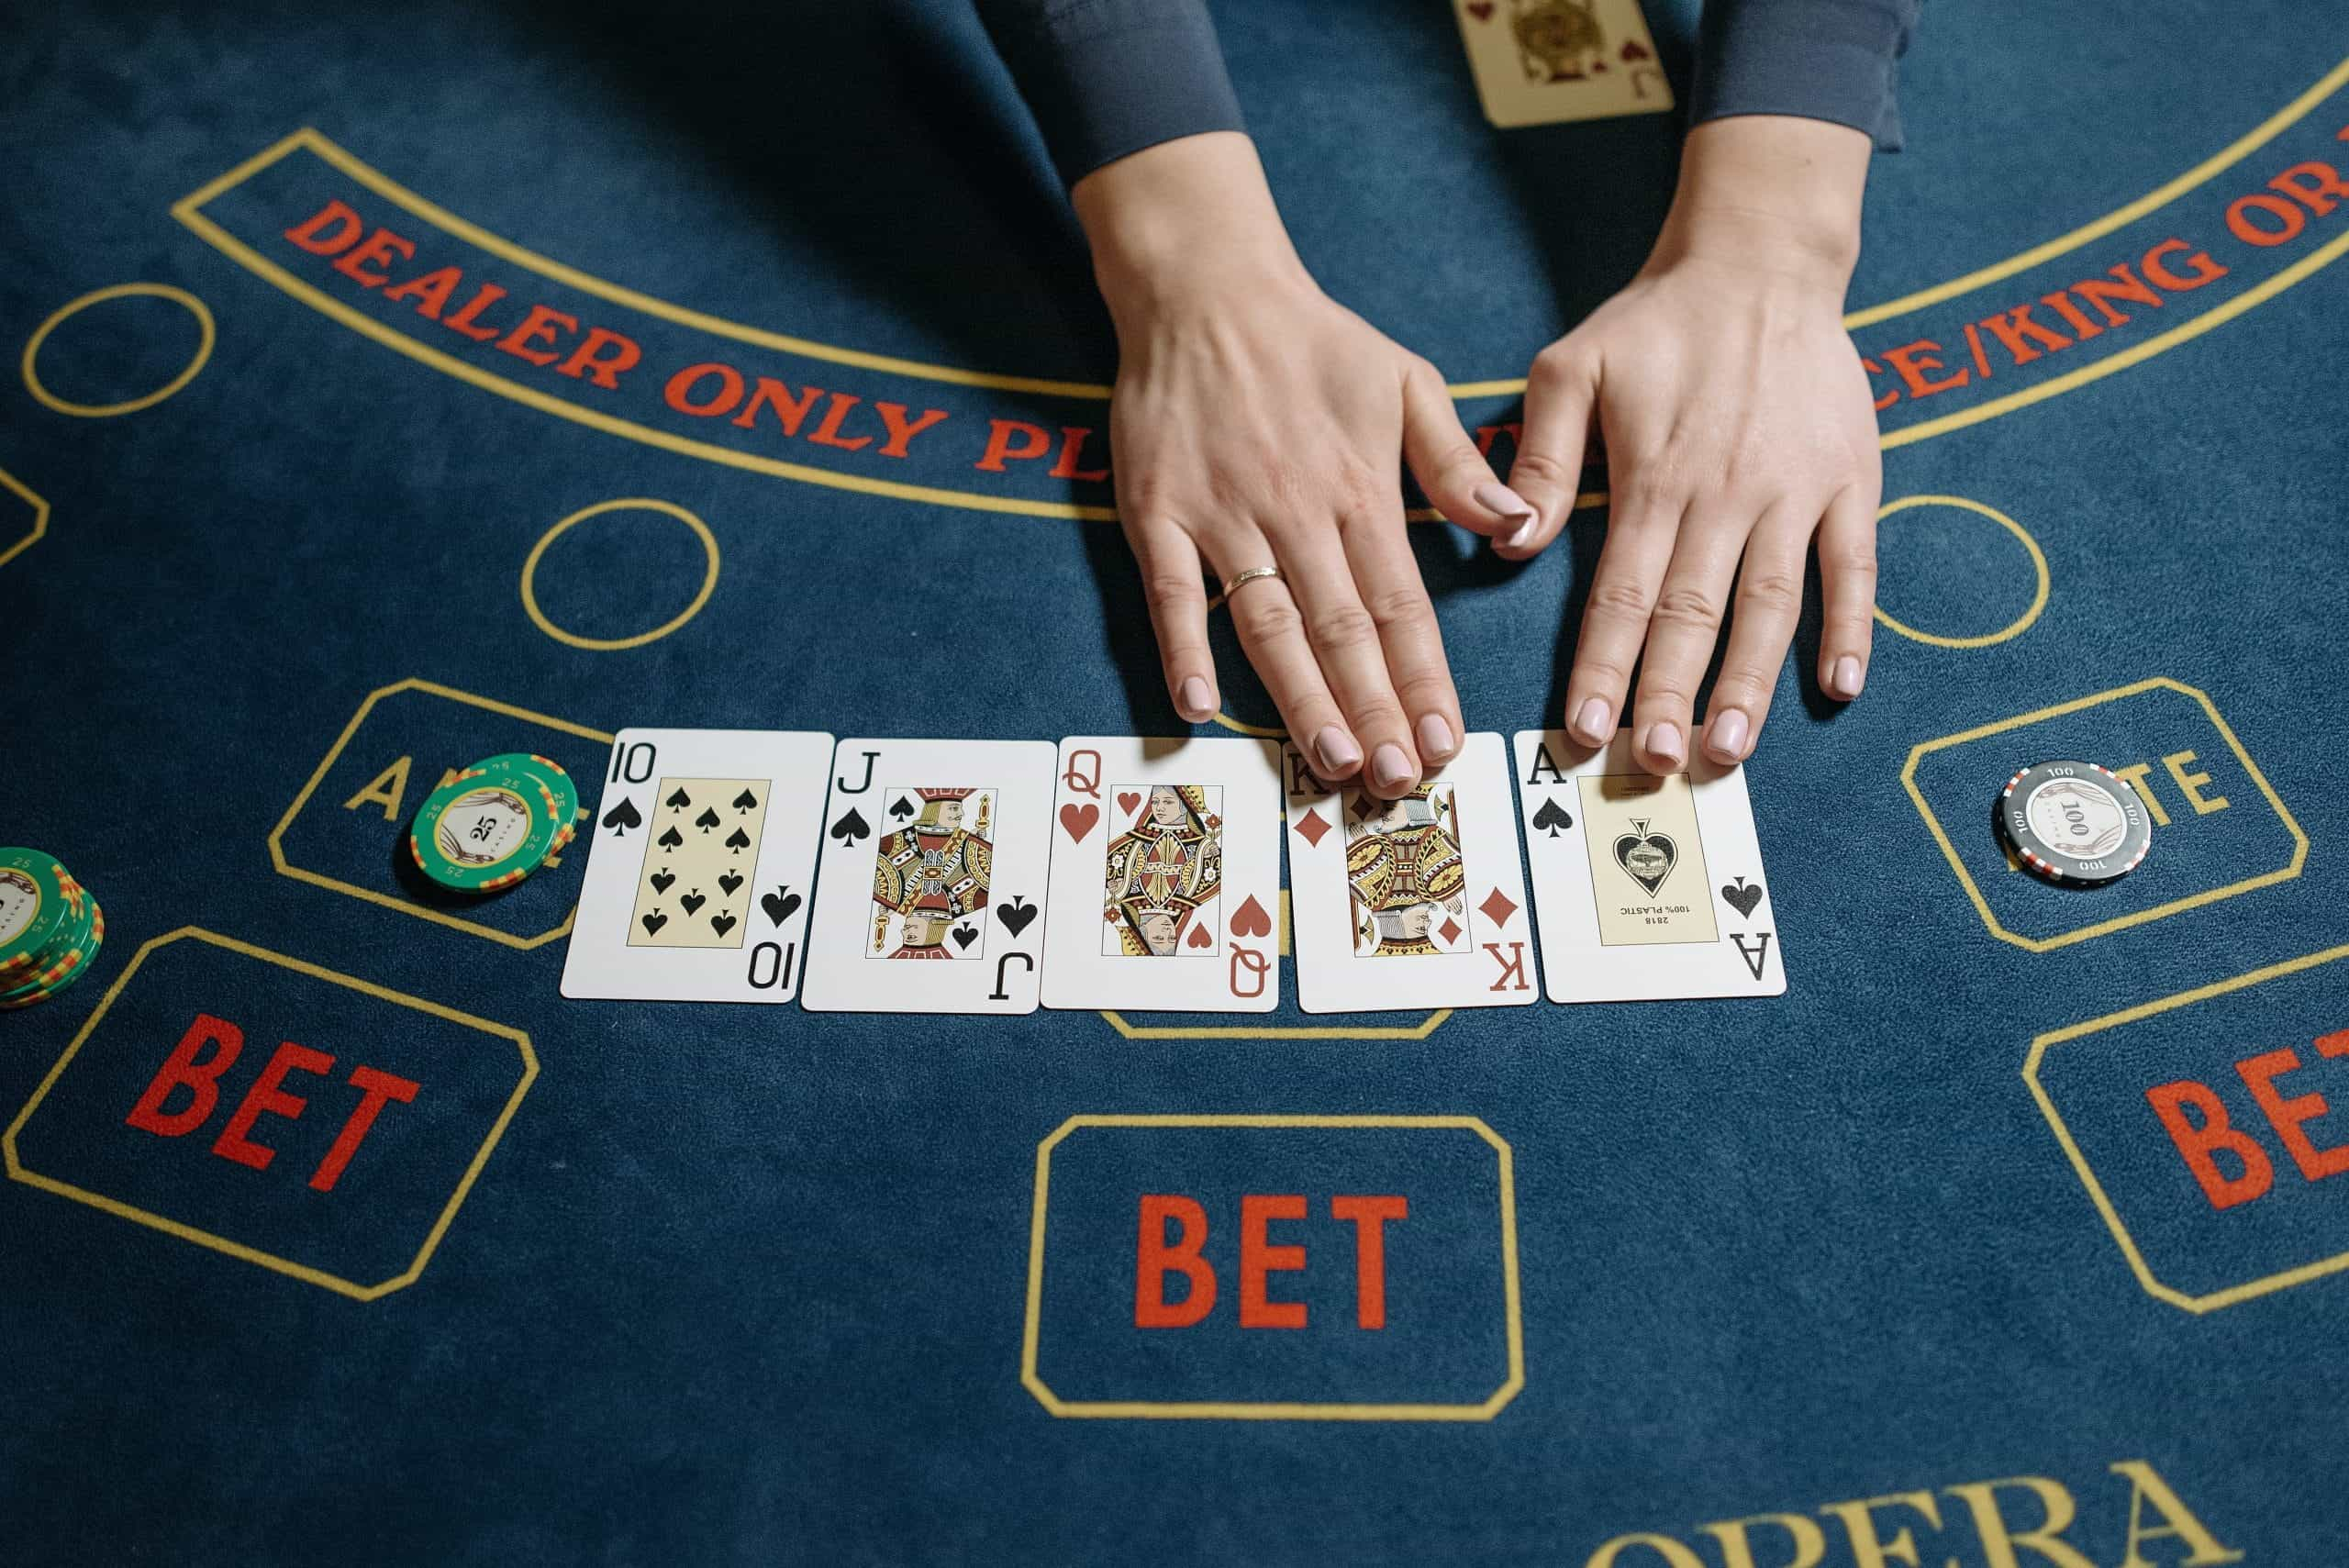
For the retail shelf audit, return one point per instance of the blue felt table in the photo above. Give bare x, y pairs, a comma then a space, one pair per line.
633, 1283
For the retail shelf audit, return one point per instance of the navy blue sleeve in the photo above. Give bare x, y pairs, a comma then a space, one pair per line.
1105, 77
1823, 59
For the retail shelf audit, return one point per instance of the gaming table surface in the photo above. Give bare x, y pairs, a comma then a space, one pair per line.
643, 1283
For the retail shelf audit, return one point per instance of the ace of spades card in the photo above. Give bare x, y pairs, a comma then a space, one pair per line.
703, 858
1542, 61
1172, 846
1644, 888
1411, 903
932, 895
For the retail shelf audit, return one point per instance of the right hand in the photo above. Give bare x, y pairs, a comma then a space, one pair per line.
1256, 422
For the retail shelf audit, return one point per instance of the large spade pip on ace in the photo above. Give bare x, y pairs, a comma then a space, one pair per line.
1646, 858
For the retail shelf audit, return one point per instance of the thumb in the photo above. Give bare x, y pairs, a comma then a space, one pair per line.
1559, 396
1445, 461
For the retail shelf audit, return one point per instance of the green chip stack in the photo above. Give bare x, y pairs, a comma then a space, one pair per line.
496, 822
51, 929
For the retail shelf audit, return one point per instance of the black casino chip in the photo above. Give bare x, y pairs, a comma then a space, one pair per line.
2078, 823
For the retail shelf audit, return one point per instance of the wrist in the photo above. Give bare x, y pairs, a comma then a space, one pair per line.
1773, 197
1184, 220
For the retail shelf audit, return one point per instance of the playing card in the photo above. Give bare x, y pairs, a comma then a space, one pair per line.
704, 856
1644, 888
1540, 61
932, 891
1174, 846
1409, 903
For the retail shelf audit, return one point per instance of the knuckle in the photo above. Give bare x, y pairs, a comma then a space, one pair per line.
1666, 688
1169, 590
1341, 626
1403, 606
1770, 590
1603, 671
1620, 599
1543, 468
1425, 691
1272, 618
1687, 607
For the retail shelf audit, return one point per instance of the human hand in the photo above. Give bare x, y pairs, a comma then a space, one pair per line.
1257, 423
1737, 423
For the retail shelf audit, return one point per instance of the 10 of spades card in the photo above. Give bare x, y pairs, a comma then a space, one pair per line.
1645, 887
1540, 61
703, 859
1411, 903
932, 895
1167, 876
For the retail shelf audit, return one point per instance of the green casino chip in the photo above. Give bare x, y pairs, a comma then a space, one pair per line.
550, 776
40, 910
488, 827
67, 967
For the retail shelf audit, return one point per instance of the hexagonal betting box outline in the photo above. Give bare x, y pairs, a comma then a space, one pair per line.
18, 1172
2209, 1301
1248, 1410
373, 895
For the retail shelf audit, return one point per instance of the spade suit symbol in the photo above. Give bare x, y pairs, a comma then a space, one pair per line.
964, 936
746, 801
1646, 858
851, 828
1553, 818
780, 904
902, 808
692, 902
1742, 896
670, 839
1016, 916
729, 882
707, 820
678, 799
662, 881
653, 922
738, 840
623, 816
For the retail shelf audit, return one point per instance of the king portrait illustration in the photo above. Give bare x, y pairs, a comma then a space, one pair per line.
1405, 873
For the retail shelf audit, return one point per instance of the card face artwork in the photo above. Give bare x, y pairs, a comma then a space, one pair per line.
1645, 887
1165, 875
1542, 61
932, 891
1411, 903
703, 858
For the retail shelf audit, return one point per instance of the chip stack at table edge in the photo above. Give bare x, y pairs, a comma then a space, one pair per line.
2075, 823
50, 927
496, 822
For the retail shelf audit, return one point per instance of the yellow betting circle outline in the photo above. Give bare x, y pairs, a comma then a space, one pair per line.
2022, 623
613, 644
206, 336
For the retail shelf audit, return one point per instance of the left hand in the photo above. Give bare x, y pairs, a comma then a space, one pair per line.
1738, 424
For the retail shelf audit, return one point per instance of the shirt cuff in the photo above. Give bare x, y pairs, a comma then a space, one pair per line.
1823, 59
1106, 78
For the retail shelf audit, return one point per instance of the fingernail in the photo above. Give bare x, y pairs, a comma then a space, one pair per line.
1524, 534
1435, 737
1727, 735
1336, 751
1389, 769
1496, 497
1847, 677
1590, 724
1664, 743
1197, 702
